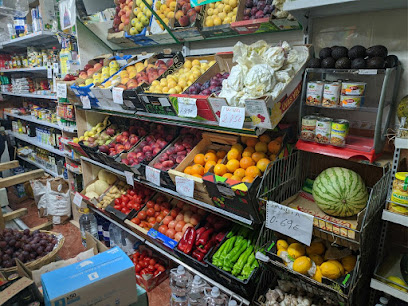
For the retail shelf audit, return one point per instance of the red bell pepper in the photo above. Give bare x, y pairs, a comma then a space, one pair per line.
205, 237
206, 247
199, 232
186, 243
220, 236
198, 255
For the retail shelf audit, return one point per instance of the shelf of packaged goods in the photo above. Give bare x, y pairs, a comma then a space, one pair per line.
381, 286
347, 109
174, 194
171, 256
32, 69
34, 120
33, 39
395, 218
33, 162
33, 141
29, 95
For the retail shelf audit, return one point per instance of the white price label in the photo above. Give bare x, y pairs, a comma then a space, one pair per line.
232, 117
49, 71
367, 71
130, 180
55, 68
117, 95
86, 104
77, 199
290, 222
185, 186
153, 175
187, 107
61, 90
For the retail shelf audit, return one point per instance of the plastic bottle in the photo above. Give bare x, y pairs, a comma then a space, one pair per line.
216, 298
87, 223
196, 294
180, 283
115, 236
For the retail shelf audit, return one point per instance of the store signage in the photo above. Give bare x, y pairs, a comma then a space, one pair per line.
153, 175
86, 104
77, 199
290, 222
187, 107
185, 186
130, 180
61, 90
232, 117
117, 95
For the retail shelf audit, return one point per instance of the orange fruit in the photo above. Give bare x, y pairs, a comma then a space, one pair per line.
232, 165
257, 156
274, 146
208, 165
233, 154
221, 154
235, 178
252, 171
246, 154
244, 139
240, 172
246, 162
251, 142
188, 170
272, 157
261, 147
262, 164
238, 147
279, 139
227, 175
220, 169
197, 169
210, 156
249, 149
219, 161
197, 175
247, 179
199, 159
211, 151
265, 138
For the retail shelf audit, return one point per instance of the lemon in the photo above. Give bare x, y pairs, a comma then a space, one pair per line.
315, 248
330, 270
281, 244
302, 264
318, 274
349, 262
317, 259
295, 250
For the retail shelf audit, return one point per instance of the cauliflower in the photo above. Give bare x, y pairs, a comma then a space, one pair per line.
259, 80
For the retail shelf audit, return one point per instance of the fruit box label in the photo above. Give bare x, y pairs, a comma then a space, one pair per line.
168, 242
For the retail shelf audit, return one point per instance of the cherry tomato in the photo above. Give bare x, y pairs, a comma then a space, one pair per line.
152, 261
125, 199
117, 207
150, 268
136, 221
118, 201
150, 204
138, 268
131, 192
161, 268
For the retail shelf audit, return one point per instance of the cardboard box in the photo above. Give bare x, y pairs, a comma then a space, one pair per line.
105, 279
20, 292
120, 39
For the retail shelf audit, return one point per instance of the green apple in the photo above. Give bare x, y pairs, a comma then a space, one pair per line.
135, 11
140, 15
138, 2
139, 26
147, 12
133, 21
142, 5
144, 20
150, 2
133, 31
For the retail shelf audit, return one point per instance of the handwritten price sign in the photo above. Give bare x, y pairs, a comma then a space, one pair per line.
117, 95
185, 186
77, 199
153, 175
61, 90
290, 222
86, 104
130, 180
187, 107
232, 117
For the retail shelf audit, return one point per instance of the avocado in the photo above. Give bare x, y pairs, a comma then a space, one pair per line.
339, 52
343, 63
314, 63
391, 61
358, 63
328, 62
375, 63
325, 52
356, 52
377, 51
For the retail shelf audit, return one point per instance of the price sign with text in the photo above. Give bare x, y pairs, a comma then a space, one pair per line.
49, 71
77, 199
61, 90
130, 178
290, 222
185, 186
187, 107
232, 117
117, 95
86, 104
153, 175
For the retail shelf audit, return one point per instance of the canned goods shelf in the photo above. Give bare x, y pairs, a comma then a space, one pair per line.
32, 69
29, 95
338, 108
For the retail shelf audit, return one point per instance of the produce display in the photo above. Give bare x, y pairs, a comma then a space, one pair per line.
212, 86
185, 15
147, 267
221, 12
141, 16
96, 130
255, 9
133, 198
98, 73
202, 163
97, 188
399, 281
24, 245
114, 192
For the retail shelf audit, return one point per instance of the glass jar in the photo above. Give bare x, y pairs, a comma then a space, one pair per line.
399, 194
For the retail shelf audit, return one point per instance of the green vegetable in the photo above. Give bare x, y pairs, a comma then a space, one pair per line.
242, 261
244, 232
247, 270
233, 231
229, 244
216, 256
232, 257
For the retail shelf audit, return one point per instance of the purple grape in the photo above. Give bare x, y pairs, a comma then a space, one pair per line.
268, 9
249, 3
253, 11
261, 5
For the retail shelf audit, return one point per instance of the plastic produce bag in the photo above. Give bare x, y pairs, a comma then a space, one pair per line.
39, 188
14, 8
58, 201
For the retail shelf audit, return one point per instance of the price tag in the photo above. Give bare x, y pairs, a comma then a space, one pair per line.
117, 95
185, 186
86, 104
130, 178
153, 175
49, 71
187, 107
367, 71
232, 117
61, 90
290, 222
77, 199
55, 68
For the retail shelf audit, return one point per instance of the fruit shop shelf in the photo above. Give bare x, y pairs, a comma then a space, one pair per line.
32, 69
347, 109
38, 38
33, 162
170, 255
42, 122
28, 95
381, 286
33, 141
176, 195
395, 218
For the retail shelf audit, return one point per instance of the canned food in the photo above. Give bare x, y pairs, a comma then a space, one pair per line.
308, 128
339, 132
314, 93
351, 101
323, 128
353, 88
331, 94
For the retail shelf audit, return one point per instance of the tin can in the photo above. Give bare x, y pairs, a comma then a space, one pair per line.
323, 128
339, 132
331, 94
308, 131
314, 93
353, 88
351, 101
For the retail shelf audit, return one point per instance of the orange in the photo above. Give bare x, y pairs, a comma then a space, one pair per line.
279, 139
219, 161
257, 156
247, 179
210, 156
265, 138
261, 147
197, 175
244, 139
235, 178
252, 171
274, 146
240, 172
221, 154
232, 165
211, 151
208, 165
251, 142
199, 159
220, 169
246, 162
197, 169
249, 149
238, 147
233, 154
188, 170
227, 175
247, 153
262, 164
272, 157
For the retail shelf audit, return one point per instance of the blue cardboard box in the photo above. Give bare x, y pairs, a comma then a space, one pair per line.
105, 279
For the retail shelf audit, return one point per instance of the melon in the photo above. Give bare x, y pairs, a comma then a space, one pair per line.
340, 192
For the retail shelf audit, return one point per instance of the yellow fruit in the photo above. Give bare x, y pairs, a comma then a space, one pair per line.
238, 147
338, 264
318, 275
217, 20
330, 270
220, 169
246, 162
302, 264
232, 165
281, 244
262, 164
239, 172
233, 154
236, 178
196, 63
279, 253
295, 250
261, 147
188, 64
398, 281
210, 156
315, 248
317, 259
210, 11
349, 262
208, 165
155, 83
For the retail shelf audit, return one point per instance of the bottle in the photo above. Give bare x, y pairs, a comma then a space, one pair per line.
383, 301
180, 282
216, 298
87, 223
196, 294
232, 303
115, 236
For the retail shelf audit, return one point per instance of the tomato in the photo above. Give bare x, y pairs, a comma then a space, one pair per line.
138, 268
124, 210
131, 192
138, 199
161, 268
125, 199
150, 268
144, 271
135, 221
136, 206
166, 205
150, 212
156, 266
152, 261
127, 211
150, 204
117, 207
141, 215
118, 201
157, 207
129, 206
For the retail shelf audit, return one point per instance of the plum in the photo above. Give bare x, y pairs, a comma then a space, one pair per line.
249, 3
253, 11
261, 5
259, 14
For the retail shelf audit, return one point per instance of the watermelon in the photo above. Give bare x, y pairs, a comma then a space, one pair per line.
340, 192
